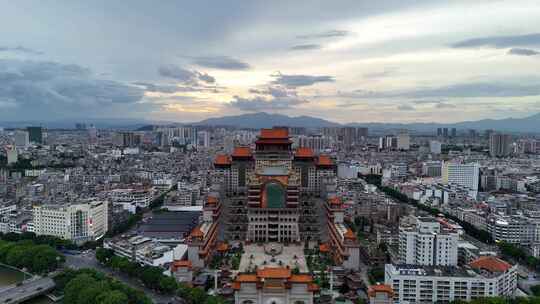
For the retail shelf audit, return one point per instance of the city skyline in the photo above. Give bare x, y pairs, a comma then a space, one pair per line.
348, 62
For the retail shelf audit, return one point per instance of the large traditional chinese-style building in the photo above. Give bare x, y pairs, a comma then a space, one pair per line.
274, 285
272, 189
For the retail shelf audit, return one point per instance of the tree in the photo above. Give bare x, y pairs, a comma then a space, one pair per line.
167, 284
151, 277
197, 295
75, 286
103, 255
535, 290
112, 297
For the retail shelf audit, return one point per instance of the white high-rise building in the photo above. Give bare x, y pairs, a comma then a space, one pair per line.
12, 154
22, 139
427, 243
466, 175
403, 140
435, 147
203, 138
80, 222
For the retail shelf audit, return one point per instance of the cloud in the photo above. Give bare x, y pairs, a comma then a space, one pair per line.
500, 41
184, 75
381, 74
522, 52
20, 49
271, 98
259, 103
294, 81
327, 34
457, 91
306, 47
406, 108
444, 105
48, 89
221, 62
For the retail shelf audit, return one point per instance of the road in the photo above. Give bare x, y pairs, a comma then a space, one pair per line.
27, 290
88, 260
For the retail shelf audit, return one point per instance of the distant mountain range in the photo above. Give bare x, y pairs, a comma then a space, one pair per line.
266, 120
529, 124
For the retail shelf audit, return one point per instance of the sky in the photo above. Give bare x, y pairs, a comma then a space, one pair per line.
345, 61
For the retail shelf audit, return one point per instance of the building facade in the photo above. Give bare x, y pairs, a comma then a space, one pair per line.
428, 243
80, 222
486, 276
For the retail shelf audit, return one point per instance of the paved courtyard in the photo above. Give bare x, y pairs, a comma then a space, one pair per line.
270, 255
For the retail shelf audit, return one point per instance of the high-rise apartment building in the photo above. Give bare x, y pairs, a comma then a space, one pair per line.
22, 139
500, 145
428, 243
203, 139
315, 142
12, 154
35, 134
466, 175
435, 146
403, 140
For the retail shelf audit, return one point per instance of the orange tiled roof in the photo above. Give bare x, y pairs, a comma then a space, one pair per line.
304, 152
491, 263
246, 278
196, 232
373, 289
349, 234
274, 273
236, 285
178, 264
324, 160
313, 287
212, 200
223, 247
274, 133
301, 278
241, 152
222, 159
335, 201
324, 247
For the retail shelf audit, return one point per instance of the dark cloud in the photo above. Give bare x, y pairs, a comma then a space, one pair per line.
48, 89
500, 41
306, 47
20, 49
183, 75
221, 62
328, 34
457, 91
522, 52
405, 108
294, 81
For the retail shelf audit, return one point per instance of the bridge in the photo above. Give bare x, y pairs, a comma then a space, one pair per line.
27, 290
